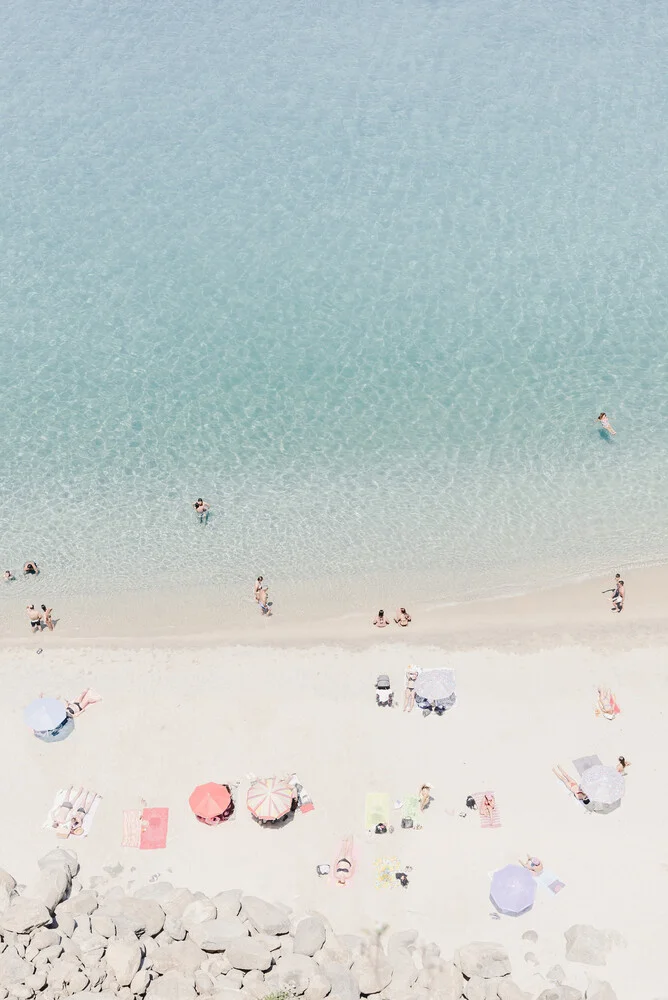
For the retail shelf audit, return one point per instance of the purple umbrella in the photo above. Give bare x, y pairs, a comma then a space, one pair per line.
513, 890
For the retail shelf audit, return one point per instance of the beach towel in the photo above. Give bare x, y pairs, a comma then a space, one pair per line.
488, 822
550, 881
304, 800
385, 873
131, 828
583, 764
153, 829
376, 810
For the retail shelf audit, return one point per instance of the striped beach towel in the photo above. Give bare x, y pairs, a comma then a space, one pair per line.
488, 822
131, 828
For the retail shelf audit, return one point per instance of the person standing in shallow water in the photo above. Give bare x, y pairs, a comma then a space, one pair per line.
202, 510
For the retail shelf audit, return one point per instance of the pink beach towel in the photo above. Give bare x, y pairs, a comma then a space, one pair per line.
488, 822
154, 829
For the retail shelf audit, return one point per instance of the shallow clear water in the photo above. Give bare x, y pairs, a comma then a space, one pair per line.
361, 275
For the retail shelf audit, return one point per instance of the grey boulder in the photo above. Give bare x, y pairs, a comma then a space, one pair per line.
50, 887
24, 915
599, 990
172, 988
227, 903
344, 983
124, 959
587, 945
483, 958
265, 917
248, 954
508, 990
197, 912
59, 857
561, 993
310, 935
84, 902
14, 969
217, 935
372, 971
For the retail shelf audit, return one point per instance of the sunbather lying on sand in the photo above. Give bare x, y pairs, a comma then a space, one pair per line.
77, 821
345, 867
63, 813
86, 698
606, 704
487, 806
571, 784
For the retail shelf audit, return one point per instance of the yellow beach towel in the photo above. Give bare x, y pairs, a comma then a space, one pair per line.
377, 810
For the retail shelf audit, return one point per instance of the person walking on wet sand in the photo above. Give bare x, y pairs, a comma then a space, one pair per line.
48, 620
618, 598
259, 587
35, 617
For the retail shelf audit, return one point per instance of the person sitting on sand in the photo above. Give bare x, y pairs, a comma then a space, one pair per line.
622, 764
534, 865
9, 576
77, 821
402, 617
605, 423
380, 620
30, 568
571, 784
488, 806
202, 510
424, 796
409, 692
86, 698
344, 867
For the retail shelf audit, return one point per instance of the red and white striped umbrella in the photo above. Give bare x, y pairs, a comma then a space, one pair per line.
269, 799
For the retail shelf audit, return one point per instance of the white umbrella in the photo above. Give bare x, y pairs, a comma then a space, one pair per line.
436, 685
603, 785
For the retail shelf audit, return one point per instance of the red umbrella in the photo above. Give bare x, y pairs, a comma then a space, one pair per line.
210, 800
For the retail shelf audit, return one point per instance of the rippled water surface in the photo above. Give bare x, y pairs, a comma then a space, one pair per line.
360, 274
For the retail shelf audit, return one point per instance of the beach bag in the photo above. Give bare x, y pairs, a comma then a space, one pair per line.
406, 823
380, 828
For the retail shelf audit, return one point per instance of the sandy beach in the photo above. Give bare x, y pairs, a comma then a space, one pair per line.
179, 712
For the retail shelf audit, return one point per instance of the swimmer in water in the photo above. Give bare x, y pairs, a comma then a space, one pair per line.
605, 423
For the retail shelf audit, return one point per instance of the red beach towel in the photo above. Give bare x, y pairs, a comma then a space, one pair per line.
153, 829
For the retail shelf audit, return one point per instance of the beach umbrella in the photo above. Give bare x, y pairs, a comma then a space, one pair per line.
513, 890
269, 799
44, 714
604, 786
436, 685
210, 800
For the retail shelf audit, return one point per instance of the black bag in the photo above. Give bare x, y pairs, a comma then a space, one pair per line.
470, 802
406, 823
380, 828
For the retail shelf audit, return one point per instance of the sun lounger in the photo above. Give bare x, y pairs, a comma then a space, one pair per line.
377, 810
154, 829
583, 764
488, 822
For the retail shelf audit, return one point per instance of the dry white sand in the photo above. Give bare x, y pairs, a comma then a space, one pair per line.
182, 711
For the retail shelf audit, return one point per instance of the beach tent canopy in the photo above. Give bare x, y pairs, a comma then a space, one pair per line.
513, 890
210, 800
44, 714
270, 799
435, 688
604, 786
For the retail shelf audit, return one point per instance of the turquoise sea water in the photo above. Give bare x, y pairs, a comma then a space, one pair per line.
362, 275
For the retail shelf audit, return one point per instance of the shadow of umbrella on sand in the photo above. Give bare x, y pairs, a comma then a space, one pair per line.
513, 890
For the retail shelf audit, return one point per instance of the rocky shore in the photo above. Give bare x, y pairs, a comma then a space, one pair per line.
162, 942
